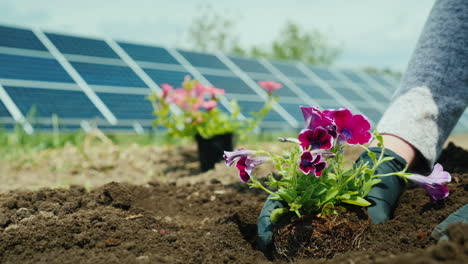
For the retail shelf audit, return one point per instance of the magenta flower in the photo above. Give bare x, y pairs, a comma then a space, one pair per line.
433, 183
318, 138
354, 129
232, 156
314, 118
310, 163
246, 164
270, 85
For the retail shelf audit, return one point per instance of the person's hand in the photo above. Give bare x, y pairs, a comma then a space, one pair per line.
271, 212
459, 216
384, 196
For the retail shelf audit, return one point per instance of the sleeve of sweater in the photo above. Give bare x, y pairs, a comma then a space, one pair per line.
433, 93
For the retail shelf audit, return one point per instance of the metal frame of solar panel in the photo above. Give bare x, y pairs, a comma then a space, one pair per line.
93, 81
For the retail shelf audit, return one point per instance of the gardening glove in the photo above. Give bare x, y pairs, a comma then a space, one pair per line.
460, 216
384, 195
265, 226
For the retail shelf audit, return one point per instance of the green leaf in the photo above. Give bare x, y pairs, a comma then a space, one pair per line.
330, 195
356, 200
372, 156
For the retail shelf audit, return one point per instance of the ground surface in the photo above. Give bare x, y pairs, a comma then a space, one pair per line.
183, 216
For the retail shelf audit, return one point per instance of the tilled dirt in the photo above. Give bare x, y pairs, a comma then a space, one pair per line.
210, 221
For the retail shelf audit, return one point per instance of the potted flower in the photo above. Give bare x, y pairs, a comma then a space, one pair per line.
322, 197
192, 111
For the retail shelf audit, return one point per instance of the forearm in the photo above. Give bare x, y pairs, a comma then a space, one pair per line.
434, 91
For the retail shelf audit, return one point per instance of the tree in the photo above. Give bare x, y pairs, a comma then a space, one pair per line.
211, 31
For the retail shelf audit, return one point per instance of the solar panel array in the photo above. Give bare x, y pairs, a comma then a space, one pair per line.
86, 80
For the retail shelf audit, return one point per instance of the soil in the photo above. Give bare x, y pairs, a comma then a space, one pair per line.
203, 218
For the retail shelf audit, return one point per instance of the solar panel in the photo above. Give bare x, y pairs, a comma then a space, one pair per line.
249, 65
46, 102
33, 79
203, 60
230, 84
19, 38
3, 111
174, 78
82, 46
128, 106
249, 107
148, 53
31, 68
323, 73
345, 91
315, 92
290, 70
353, 77
101, 74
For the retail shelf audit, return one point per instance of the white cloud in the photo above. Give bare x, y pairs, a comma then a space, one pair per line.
377, 33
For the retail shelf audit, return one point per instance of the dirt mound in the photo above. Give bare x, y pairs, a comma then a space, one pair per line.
206, 222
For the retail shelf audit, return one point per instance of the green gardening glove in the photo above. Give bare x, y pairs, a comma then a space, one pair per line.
384, 196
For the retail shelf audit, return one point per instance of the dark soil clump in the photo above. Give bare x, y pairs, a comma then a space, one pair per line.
311, 236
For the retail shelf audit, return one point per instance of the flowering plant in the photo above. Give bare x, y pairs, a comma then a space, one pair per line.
313, 178
193, 109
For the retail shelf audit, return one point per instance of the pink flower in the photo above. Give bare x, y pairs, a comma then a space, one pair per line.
314, 118
354, 129
433, 183
318, 138
270, 85
166, 89
216, 91
209, 105
179, 97
246, 164
309, 163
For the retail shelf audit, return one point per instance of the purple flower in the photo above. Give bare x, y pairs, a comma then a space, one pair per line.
433, 183
315, 118
246, 164
310, 163
318, 138
231, 156
353, 129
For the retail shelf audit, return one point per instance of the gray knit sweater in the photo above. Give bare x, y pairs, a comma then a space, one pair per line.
433, 93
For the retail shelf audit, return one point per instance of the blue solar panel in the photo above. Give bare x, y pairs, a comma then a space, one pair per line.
370, 113
230, 84
100, 74
61, 127
347, 92
31, 68
353, 77
285, 91
20, 38
128, 106
324, 74
203, 60
249, 65
389, 86
315, 92
82, 46
148, 53
249, 107
375, 94
46, 102
3, 111
290, 70
174, 78
293, 109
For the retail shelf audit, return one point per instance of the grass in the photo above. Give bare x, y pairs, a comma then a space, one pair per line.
18, 144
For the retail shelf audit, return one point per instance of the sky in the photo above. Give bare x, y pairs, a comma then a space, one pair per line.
375, 33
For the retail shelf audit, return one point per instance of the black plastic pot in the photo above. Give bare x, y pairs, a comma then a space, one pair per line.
211, 150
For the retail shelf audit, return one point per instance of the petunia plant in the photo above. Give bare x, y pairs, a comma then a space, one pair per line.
194, 109
312, 173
